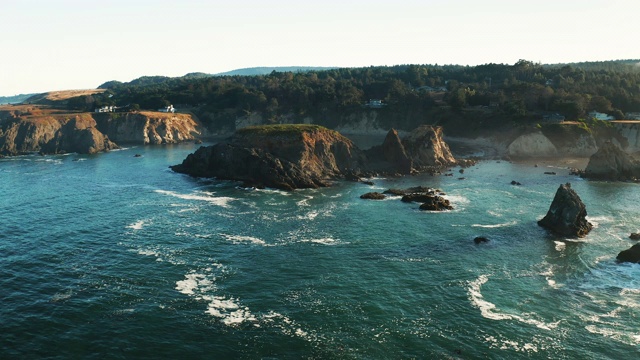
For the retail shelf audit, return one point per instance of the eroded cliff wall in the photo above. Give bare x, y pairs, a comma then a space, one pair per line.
90, 133
148, 127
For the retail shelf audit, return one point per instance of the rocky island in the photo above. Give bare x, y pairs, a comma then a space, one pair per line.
567, 214
309, 156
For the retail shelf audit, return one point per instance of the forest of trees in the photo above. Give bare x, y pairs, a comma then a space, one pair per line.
412, 94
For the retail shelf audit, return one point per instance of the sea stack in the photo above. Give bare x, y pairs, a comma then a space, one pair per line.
567, 214
612, 163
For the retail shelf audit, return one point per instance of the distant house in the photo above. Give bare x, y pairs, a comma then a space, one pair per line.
553, 118
374, 104
632, 116
105, 109
431, 89
600, 116
168, 109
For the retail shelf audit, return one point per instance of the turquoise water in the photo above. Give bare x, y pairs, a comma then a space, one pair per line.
113, 256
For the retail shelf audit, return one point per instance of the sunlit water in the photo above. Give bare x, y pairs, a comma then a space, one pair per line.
116, 256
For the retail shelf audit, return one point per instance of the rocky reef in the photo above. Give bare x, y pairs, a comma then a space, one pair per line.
567, 214
610, 162
88, 133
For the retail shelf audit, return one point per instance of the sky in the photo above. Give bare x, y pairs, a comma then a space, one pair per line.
79, 44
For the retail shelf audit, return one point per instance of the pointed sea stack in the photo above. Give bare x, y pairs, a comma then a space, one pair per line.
567, 214
426, 147
394, 152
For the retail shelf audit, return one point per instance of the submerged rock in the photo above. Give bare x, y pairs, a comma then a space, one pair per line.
612, 163
630, 255
634, 236
480, 240
567, 214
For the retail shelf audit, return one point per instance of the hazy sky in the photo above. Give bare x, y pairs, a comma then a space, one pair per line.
75, 44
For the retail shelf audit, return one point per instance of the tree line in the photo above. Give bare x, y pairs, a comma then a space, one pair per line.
524, 91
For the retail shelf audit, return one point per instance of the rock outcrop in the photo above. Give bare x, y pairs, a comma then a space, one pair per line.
426, 148
612, 163
390, 157
308, 156
280, 156
373, 196
630, 255
89, 132
567, 214
394, 152
436, 203
52, 135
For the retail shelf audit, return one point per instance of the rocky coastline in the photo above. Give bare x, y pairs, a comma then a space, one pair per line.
89, 133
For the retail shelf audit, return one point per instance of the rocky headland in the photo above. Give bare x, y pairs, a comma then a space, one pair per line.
310, 156
52, 135
30, 129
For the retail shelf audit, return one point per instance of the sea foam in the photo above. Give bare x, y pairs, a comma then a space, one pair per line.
200, 196
492, 226
239, 239
489, 311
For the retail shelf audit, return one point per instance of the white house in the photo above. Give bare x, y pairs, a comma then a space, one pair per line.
632, 116
105, 109
374, 104
168, 109
600, 116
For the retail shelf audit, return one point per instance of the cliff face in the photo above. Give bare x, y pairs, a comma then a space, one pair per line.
284, 157
562, 142
89, 133
48, 134
148, 127
534, 144
631, 132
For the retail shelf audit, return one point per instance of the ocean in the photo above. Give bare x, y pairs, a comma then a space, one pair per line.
115, 256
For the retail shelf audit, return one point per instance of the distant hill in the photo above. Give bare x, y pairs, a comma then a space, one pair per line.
268, 70
52, 96
156, 80
14, 99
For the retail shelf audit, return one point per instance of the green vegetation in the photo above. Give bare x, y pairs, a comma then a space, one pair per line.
460, 98
281, 129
